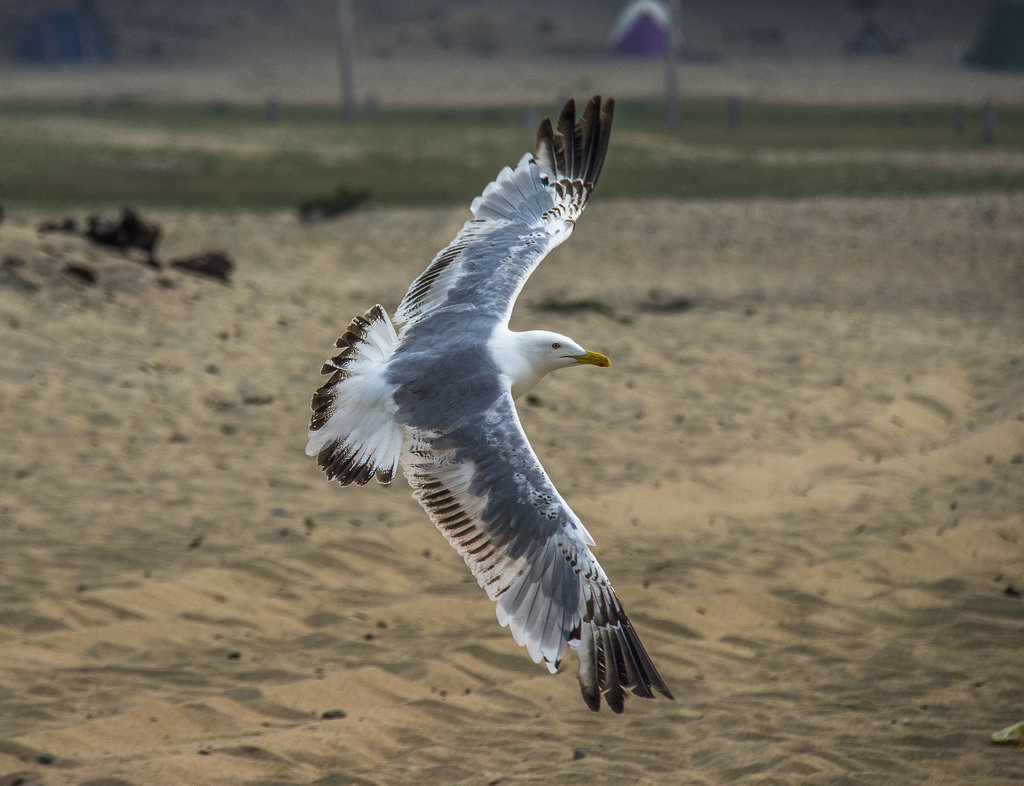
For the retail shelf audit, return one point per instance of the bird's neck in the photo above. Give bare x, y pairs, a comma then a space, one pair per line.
510, 351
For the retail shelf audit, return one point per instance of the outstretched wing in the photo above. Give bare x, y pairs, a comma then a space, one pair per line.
485, 490
517, 220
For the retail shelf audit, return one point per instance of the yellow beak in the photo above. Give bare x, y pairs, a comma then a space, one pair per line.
593, 359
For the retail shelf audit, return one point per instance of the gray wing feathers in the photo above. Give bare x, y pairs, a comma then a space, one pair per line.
518, 219
485, 490
483, 268
516, 195
483, 487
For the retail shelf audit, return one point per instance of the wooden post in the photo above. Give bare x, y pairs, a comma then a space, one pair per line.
272, 110
988, 124
734, 111
671, 64
346, 36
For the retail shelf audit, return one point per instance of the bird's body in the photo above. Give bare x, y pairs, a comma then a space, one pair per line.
436, 397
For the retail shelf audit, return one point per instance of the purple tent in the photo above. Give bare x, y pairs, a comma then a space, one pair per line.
643, 28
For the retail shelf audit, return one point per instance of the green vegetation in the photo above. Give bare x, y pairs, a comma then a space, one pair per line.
63, 155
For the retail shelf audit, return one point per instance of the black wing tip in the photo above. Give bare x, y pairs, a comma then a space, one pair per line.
592, 696
567, 117
575, 147
615, 697
612, 658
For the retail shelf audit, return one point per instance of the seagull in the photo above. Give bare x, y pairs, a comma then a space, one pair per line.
433, 391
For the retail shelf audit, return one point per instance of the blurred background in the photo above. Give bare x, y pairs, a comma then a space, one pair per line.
242, 103
289, 48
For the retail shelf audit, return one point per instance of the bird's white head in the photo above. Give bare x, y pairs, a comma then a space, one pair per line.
553, 350
526, 357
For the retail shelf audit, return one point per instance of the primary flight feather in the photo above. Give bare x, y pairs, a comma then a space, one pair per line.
436, 397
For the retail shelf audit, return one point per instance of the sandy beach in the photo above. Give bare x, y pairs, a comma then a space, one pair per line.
803, 472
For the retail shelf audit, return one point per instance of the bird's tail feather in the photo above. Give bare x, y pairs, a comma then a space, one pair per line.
352, 432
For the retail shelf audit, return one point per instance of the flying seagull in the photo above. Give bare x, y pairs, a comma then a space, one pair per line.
436, 397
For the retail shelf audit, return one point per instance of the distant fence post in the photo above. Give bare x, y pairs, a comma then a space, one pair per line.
734, 111
988, 123
346, 36
271, 110
671, 65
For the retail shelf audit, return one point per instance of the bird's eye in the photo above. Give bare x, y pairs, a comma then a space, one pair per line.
556, 345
